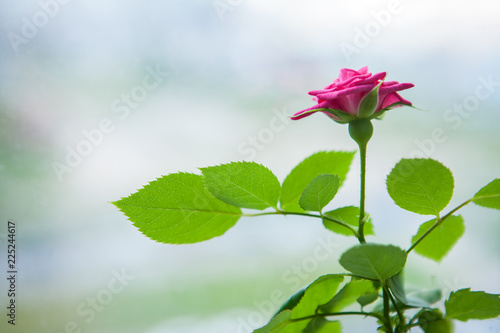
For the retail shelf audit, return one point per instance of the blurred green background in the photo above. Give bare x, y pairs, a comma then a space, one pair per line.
143, 89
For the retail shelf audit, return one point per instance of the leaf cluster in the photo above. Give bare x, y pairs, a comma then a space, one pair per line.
183, 208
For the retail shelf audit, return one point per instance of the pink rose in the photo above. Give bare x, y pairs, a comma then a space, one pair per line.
356, 95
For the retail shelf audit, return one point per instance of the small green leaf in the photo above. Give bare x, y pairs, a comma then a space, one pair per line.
465, 304
431, 321
441, 240
243, 184
319, 192
321, 325
364, 300
332, 162
177, 209
374, 261
369, 103
348, 215
422, 186
277, 323
438, 326
348, 295
489, 196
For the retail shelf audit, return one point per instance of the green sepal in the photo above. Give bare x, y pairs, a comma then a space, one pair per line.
393, 105
343, 117
338, 116
369, 103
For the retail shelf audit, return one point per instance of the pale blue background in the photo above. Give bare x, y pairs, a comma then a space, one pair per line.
229, 74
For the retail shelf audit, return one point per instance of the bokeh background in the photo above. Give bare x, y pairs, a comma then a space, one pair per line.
162, 87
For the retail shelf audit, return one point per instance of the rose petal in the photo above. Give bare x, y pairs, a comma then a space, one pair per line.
390, 99
344, 92
387, 89
363, 70
375, 78
346, 73
305, 113
334, 104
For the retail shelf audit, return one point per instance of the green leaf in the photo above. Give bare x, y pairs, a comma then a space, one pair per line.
316, 325
348, 295
177, 209
396, 285
465, 304
303, 304
422, 186
423, 298
322, 325
441, 240
336, 163
374, 261
431, 321
317, 293
293, 300
243, 184
412, 299
348, 215
369, 103
415, 298
319, 192
489, 196
277, 323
